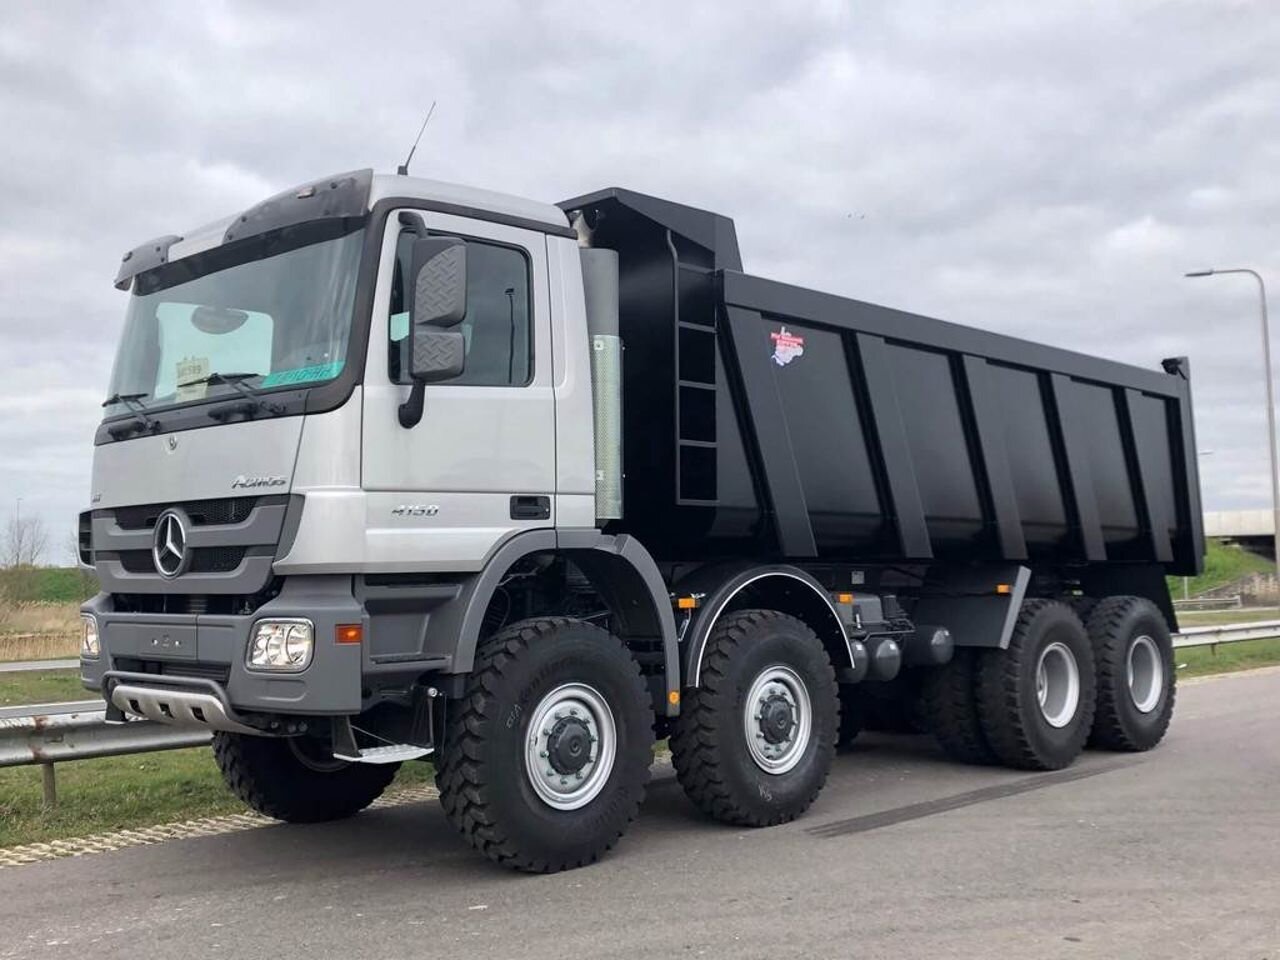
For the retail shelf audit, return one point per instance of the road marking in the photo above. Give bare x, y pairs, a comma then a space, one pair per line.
185, 830
927, 808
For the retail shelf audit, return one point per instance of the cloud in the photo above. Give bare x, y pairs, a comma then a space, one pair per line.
1047, 170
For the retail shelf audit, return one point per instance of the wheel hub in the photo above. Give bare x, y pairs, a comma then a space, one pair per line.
777, 719
1058, 684
1145, 673
569, 745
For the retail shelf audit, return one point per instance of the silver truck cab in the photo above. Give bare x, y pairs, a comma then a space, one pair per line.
277, 533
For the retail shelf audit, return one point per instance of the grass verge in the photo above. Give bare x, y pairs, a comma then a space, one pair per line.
1211, 618
48, 686
97, 796
1223, 563
1226, 657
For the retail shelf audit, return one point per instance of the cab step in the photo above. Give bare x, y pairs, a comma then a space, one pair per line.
391, 753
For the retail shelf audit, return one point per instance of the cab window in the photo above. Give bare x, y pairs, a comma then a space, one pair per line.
496, 327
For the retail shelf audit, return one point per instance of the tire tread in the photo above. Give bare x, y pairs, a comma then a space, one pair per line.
465, 793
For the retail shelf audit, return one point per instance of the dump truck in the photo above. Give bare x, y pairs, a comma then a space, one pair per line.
394, 470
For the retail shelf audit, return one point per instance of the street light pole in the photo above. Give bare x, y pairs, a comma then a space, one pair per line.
1271, 406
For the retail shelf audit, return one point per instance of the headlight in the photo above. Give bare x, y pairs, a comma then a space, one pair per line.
284, 645
90, 648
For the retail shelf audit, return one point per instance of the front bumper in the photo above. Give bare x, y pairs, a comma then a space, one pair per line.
170, 649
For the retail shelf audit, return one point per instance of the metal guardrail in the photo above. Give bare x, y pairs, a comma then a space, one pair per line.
32, 666
50, 733
1227, 633
1235, 602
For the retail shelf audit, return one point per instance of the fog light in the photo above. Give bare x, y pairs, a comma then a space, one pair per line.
90, 648
283, 645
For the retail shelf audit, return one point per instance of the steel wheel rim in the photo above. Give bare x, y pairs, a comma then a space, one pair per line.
580, 710
778, 690
1145, 673
1057, 684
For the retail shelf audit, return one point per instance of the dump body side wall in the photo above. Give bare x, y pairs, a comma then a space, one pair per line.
774, 422
965, 444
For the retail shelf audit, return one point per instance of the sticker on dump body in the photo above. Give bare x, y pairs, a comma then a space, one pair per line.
787, 346
320, 371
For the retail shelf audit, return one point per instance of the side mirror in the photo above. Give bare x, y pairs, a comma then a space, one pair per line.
439, 282
435, 354
439, 302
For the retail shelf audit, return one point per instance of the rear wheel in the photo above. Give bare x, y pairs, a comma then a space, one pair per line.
1136, 679
753, 745
1036, 698
951, 709
546, 756
852, 711
297, 779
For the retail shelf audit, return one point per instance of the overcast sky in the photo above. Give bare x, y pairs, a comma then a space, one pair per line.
1044, 169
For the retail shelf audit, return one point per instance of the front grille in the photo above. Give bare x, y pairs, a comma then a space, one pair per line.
216, 559
137, 561
230, 544
203, 560
202, 512
217, 604
217, 672
84, 538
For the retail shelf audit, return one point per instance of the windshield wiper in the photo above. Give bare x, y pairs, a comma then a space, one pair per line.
253, 399
133, 402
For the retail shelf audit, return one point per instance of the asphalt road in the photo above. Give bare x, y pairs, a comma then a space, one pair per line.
1171, 854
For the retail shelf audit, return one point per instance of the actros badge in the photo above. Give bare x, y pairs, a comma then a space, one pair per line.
252, 483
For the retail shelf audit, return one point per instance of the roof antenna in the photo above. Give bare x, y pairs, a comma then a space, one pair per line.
403, 169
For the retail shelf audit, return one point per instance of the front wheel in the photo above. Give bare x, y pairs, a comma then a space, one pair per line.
753, 745
546, 756
297, 779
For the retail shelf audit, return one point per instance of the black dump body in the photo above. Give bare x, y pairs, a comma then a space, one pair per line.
771, 421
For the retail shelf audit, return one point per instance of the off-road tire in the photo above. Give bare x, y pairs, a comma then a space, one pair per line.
267, 774
852, 720
1113, 625
484, 786
895, 706
709, 749
1015, 727
951, 708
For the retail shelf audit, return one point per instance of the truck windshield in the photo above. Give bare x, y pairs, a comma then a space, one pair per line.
271, 312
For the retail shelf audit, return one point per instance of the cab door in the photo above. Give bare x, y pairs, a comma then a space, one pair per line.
480, 465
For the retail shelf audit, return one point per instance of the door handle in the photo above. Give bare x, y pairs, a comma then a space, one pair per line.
524, 507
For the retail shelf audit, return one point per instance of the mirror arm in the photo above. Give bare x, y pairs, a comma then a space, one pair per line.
411, 409
413, 223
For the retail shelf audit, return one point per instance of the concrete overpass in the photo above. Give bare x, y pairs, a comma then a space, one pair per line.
1252, 529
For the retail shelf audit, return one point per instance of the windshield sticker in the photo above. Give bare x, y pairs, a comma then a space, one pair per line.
191, 378
787, 346
321, 371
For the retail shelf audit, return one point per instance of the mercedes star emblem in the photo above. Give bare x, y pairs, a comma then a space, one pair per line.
169, 547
